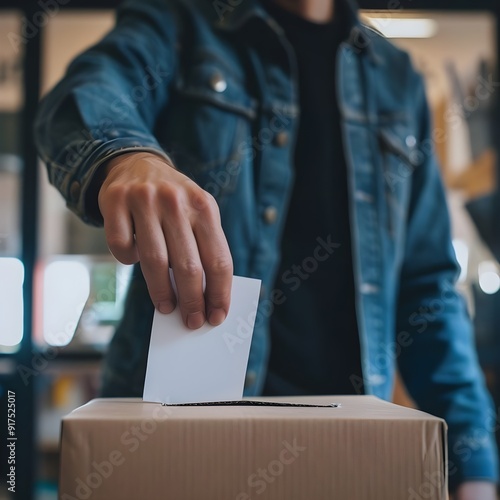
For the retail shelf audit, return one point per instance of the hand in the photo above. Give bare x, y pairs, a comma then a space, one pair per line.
156, 215
476, 490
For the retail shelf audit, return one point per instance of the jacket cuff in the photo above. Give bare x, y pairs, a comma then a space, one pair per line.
82, 189
468, 464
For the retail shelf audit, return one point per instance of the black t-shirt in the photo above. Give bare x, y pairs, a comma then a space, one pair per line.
314, 336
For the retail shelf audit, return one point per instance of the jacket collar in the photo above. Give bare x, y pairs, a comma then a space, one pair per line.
232, 15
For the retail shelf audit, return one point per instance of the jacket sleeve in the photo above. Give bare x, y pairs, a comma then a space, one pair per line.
108, 102
440, 366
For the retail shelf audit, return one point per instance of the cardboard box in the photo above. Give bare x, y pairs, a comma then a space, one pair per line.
365, 449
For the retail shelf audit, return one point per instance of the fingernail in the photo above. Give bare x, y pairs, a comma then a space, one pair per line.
166, 307
216, 316
195, 320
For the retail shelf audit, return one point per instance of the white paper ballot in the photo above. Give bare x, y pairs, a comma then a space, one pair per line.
209, 364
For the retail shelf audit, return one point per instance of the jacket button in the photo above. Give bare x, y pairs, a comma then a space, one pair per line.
250, 378
281, 139
270, 215
411, 141
369, 289
74, 191
218, 83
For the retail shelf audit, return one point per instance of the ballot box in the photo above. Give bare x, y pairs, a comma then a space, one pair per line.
300, 448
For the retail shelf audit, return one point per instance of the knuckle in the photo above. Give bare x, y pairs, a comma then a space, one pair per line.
115, 192
144, 192
192, 304
203, 201
166, 191
160, 294
190, 268
219, 299
171, 198
123, 253
221, 266
154, 260
117, 243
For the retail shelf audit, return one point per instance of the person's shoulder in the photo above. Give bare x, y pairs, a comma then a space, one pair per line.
385, 51
201, 7
395, 64
179, 13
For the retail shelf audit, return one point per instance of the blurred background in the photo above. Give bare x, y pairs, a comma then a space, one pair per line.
61, 294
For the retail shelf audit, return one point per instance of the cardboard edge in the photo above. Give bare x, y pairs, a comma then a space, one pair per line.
59, 476
444, 443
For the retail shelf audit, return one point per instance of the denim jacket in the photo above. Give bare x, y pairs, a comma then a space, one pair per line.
213, 85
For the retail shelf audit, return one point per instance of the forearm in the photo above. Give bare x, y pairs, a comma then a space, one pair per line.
440, 365
108, 102
442, 374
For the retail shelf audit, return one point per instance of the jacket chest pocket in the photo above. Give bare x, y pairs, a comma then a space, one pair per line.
209, 119
400, 155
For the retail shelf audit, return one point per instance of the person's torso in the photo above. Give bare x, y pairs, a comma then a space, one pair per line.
231, 124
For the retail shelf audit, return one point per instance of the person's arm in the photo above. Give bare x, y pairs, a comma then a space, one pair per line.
95, 133
158, 216
440, 366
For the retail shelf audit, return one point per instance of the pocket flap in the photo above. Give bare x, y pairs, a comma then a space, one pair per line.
212, 82
401, 142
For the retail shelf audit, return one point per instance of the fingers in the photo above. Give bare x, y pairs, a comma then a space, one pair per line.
185, 261
118, 228
152, 250
155, 214
216, 259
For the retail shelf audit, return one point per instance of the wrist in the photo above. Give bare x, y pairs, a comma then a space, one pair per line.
134, 156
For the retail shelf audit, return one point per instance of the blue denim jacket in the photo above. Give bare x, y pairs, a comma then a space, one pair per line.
213, 85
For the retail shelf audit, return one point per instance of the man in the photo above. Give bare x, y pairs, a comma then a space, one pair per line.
288, 142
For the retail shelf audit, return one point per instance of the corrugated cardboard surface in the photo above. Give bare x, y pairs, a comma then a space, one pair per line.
366, 449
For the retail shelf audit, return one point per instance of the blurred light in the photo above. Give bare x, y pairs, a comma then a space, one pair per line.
404, 28
11, 302
462, 254
66, 288
489, 279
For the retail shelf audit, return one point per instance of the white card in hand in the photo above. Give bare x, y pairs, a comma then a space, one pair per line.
208, 364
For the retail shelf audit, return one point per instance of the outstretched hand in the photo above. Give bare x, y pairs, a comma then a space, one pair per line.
156, 215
